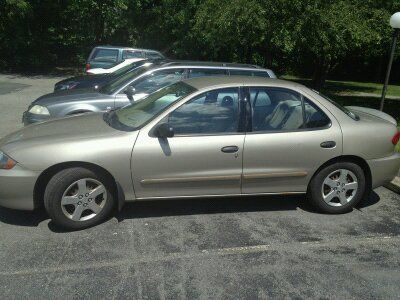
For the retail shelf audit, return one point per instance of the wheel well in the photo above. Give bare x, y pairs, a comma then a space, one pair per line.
46, 175
354, 159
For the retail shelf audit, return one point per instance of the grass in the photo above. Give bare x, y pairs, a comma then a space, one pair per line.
350, 87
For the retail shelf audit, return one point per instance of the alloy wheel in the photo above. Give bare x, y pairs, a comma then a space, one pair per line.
84, 199
339, 187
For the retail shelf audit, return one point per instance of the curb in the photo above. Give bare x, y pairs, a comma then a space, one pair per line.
394, 186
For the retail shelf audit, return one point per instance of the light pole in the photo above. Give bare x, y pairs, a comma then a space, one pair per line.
395, 23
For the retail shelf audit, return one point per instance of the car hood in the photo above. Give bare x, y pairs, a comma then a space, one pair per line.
73, 128
70, 96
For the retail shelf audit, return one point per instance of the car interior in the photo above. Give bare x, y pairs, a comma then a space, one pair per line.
275, 110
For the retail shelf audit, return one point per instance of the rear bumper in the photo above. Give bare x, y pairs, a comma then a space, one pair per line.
383, 170
16, 188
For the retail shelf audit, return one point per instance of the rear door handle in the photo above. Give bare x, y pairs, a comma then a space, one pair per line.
328, 144
230, 149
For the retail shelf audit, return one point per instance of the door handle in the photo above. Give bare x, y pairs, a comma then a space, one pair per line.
230, 149
328, 144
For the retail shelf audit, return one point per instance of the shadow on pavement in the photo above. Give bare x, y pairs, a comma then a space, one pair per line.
182, 207
22, 218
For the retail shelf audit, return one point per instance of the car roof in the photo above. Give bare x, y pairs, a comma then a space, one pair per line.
209, 64
200, 83
126, 48
163, 63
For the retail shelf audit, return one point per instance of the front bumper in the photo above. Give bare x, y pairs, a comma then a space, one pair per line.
16, 188
383, 170
29, 118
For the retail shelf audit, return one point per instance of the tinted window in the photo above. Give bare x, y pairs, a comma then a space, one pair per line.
132, 54
138, 113
157, 80
118, 82
206, 72
249, 73
153, 55
105, 55
209, 113
314, 116
276, 109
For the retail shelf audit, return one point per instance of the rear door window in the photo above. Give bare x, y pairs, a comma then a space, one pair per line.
153, 55
199, 72
132, 54
249, 73
100, 54
158, 80
314, 116
276, 109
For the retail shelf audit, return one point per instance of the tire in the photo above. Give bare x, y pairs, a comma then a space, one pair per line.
337, 188
78, 198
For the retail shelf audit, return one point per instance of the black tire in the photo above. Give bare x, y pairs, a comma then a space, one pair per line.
60, 182
314, 193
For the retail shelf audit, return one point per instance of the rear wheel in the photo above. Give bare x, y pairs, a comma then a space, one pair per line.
78, 198
337, 188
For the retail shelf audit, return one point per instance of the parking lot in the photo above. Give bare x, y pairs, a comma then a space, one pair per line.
248, 248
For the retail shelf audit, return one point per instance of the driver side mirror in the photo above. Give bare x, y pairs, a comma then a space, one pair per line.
164, 130
130, 91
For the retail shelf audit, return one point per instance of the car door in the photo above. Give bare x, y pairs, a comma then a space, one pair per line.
203, 158
288, 139
150, 83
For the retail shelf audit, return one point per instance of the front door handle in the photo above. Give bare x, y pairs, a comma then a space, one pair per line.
328, 144
230, 149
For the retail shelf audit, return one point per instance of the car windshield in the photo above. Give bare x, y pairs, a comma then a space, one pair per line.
119, 81
137, 114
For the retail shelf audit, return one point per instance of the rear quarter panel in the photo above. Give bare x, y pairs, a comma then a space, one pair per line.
368, 138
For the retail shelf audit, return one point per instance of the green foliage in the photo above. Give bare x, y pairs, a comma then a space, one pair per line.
307, 37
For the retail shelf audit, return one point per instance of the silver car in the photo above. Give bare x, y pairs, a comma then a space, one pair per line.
129, 87
203, 137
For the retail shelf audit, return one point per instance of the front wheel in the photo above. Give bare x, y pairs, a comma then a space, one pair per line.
337, 188
78, 198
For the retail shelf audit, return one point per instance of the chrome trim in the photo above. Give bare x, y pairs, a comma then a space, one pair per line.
190, 179
274, 175
216, 196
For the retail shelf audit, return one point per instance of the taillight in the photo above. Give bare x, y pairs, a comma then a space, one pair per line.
396, 138
87, 66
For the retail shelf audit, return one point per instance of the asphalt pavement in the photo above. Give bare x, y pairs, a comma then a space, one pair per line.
242, 248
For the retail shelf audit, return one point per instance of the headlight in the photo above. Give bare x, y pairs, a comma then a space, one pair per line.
39, 110
6, 163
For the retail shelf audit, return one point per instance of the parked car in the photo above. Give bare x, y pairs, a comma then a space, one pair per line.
203, 137
126, 62
131, 86
108, 56
97, 81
